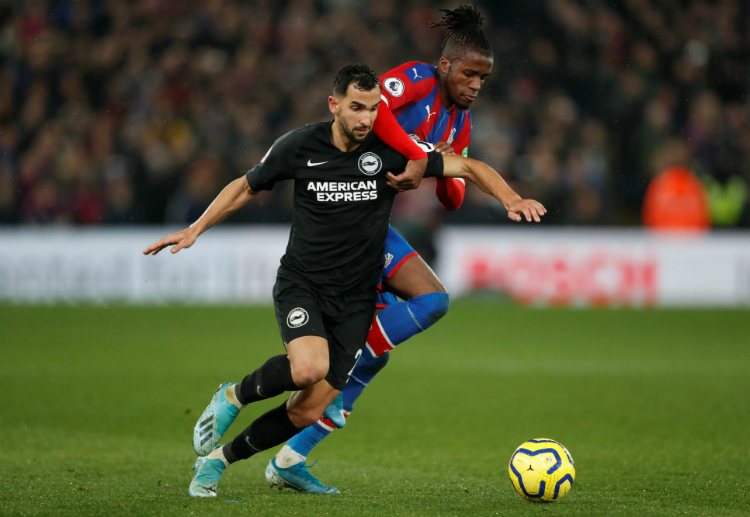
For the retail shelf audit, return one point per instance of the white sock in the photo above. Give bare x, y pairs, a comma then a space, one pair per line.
218, 454
231, 397
287, 457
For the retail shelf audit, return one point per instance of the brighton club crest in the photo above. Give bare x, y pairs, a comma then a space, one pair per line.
370, 164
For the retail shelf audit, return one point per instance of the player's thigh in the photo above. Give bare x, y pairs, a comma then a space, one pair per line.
303, 331
406, 274
397, 252
347, 337
308, 358
414, 278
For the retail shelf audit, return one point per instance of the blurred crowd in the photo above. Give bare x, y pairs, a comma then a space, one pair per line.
140, 111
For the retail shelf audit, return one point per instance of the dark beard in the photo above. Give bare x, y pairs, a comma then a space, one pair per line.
353, 138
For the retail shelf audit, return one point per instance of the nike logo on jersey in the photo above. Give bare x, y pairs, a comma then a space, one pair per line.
429, 113
311, 163
416, 74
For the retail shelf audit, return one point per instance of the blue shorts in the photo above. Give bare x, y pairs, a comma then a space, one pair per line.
397, 252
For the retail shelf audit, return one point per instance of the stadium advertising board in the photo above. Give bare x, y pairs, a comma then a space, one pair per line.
238, 265
611, 268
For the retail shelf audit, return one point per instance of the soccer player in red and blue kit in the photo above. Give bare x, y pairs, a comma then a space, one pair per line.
432, 103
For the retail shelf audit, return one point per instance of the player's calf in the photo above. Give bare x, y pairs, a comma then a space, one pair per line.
400, 321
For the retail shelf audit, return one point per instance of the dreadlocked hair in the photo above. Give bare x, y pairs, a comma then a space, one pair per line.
465, 32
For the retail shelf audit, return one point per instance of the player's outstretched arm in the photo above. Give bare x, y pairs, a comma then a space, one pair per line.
387, 128
234, 196
487, 179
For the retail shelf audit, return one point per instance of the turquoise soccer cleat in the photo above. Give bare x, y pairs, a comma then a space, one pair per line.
214, 421
207, 475
335, 412
296, 477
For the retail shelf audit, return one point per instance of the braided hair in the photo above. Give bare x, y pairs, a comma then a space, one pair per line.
465, 33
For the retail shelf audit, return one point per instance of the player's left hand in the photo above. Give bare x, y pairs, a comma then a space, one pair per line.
444, 148
526, 208
410, 178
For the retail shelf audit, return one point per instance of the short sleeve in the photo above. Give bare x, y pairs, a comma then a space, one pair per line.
275, 166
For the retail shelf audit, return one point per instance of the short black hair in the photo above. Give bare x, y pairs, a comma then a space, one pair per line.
361, 76
465, 33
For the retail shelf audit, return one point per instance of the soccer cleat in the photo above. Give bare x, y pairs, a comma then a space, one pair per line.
206, 478
335, 412
214, 421
296, 477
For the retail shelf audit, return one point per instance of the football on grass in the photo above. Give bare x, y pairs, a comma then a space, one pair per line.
542, 470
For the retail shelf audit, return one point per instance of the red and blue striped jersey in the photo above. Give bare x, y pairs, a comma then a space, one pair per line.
411, 93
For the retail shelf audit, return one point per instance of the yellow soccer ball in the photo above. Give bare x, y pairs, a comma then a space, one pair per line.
542, 470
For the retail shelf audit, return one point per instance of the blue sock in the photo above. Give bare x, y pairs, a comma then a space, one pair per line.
402, 320
304, 441
363, 373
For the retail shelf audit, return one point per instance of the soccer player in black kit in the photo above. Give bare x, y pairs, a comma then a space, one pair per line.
324, 295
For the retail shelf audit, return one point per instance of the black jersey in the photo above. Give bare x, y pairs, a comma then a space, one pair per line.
342, 205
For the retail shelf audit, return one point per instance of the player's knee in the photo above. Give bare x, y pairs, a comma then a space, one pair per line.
307, 373
429, 308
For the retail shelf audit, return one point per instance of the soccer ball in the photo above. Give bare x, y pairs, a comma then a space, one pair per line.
542, 470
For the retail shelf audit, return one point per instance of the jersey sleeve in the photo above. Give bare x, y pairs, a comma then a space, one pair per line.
387, 128
275, 166
450, 192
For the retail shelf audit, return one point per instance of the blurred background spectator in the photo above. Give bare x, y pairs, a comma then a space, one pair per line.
140, 111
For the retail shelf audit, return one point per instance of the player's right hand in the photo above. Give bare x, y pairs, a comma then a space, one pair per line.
410, 178
178, 240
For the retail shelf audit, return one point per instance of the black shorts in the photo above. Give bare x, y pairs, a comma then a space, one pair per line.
344, 321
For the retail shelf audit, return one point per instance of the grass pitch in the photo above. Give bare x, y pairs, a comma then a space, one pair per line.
98, 405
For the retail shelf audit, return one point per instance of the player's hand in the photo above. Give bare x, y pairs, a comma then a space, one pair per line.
526, 208
178, 240
410, 178
444, 148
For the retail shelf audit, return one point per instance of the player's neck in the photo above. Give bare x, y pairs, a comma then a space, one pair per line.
444, 98
340, 140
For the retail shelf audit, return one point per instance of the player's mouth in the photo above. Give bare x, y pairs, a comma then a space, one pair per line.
468, 98
361, 131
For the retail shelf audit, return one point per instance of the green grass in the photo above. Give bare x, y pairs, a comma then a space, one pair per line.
98, 405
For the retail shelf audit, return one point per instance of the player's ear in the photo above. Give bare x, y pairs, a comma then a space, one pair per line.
333, 105
444, 65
